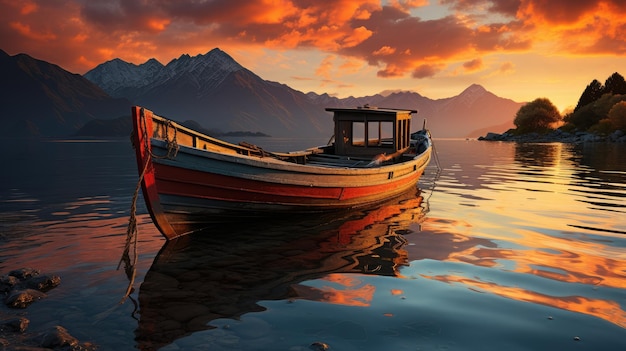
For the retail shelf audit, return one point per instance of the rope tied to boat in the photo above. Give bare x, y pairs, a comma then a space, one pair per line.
132, 230
172, 145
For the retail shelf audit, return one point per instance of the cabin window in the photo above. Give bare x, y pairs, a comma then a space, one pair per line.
358, 133
380, 134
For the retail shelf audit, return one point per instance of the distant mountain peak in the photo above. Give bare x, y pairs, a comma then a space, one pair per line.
115, 76
474, 89
471, 94
119, 78
215, 59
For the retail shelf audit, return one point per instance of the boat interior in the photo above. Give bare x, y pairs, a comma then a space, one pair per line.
363, 137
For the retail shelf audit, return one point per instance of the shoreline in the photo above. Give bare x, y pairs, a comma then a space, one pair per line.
557, 136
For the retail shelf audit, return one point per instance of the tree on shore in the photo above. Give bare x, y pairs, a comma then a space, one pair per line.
592, 112
615, 84
617, 116
539, 115
592, 93
590, 115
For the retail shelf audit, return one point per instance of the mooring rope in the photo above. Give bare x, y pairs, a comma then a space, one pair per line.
132, 230
131, 235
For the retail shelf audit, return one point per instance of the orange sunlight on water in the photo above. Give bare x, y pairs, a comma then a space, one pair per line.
544, 215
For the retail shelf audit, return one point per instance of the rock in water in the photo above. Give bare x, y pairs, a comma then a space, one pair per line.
23, 298
43, 282
319, 346
24, 273
57, 337
15, 324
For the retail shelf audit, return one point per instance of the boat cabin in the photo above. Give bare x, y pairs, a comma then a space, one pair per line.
369, 131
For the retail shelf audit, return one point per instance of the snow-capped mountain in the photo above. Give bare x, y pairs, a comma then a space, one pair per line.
123, 79
119, 78
207, 71
216, 91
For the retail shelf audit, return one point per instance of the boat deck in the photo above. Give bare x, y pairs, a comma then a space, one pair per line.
327, 160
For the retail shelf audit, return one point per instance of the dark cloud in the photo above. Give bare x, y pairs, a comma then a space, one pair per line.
124, 15
505, 7
425, 71
473, 65
559, 11
411, 39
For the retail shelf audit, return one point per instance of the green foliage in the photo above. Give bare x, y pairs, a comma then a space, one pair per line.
617, 116
591, 114
537, 116
601, 109
603, 127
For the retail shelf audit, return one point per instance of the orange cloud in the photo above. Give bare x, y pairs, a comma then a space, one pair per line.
157, 24
426, 70
28, 7
473, 65
406, 5
581, 27
26, 31
324, 69
384, 51
350, 66
390, 71
384, 36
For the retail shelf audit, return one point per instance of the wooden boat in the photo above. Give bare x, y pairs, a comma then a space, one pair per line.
191, 180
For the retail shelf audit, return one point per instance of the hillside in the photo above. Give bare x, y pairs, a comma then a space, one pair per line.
42, 99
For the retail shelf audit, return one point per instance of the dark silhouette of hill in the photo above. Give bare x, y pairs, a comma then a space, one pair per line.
42, 99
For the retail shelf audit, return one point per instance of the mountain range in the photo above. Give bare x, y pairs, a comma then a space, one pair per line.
216, 92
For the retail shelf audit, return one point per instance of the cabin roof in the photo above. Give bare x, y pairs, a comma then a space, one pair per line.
371, 110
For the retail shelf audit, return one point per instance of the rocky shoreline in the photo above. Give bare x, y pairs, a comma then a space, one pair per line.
20, 289
557, 136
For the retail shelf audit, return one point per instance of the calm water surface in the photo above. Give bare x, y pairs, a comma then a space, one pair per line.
516, 247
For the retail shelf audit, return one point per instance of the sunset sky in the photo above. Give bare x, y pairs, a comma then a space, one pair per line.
518, 49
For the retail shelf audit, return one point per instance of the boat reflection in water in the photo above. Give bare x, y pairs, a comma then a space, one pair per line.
198, 278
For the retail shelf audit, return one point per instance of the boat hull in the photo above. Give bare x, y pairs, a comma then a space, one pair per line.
197, 188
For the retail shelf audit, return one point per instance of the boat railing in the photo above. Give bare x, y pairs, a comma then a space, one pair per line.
168, 130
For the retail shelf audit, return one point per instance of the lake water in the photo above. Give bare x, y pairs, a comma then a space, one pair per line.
506, 247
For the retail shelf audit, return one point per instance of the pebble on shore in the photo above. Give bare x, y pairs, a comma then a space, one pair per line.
21, 288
